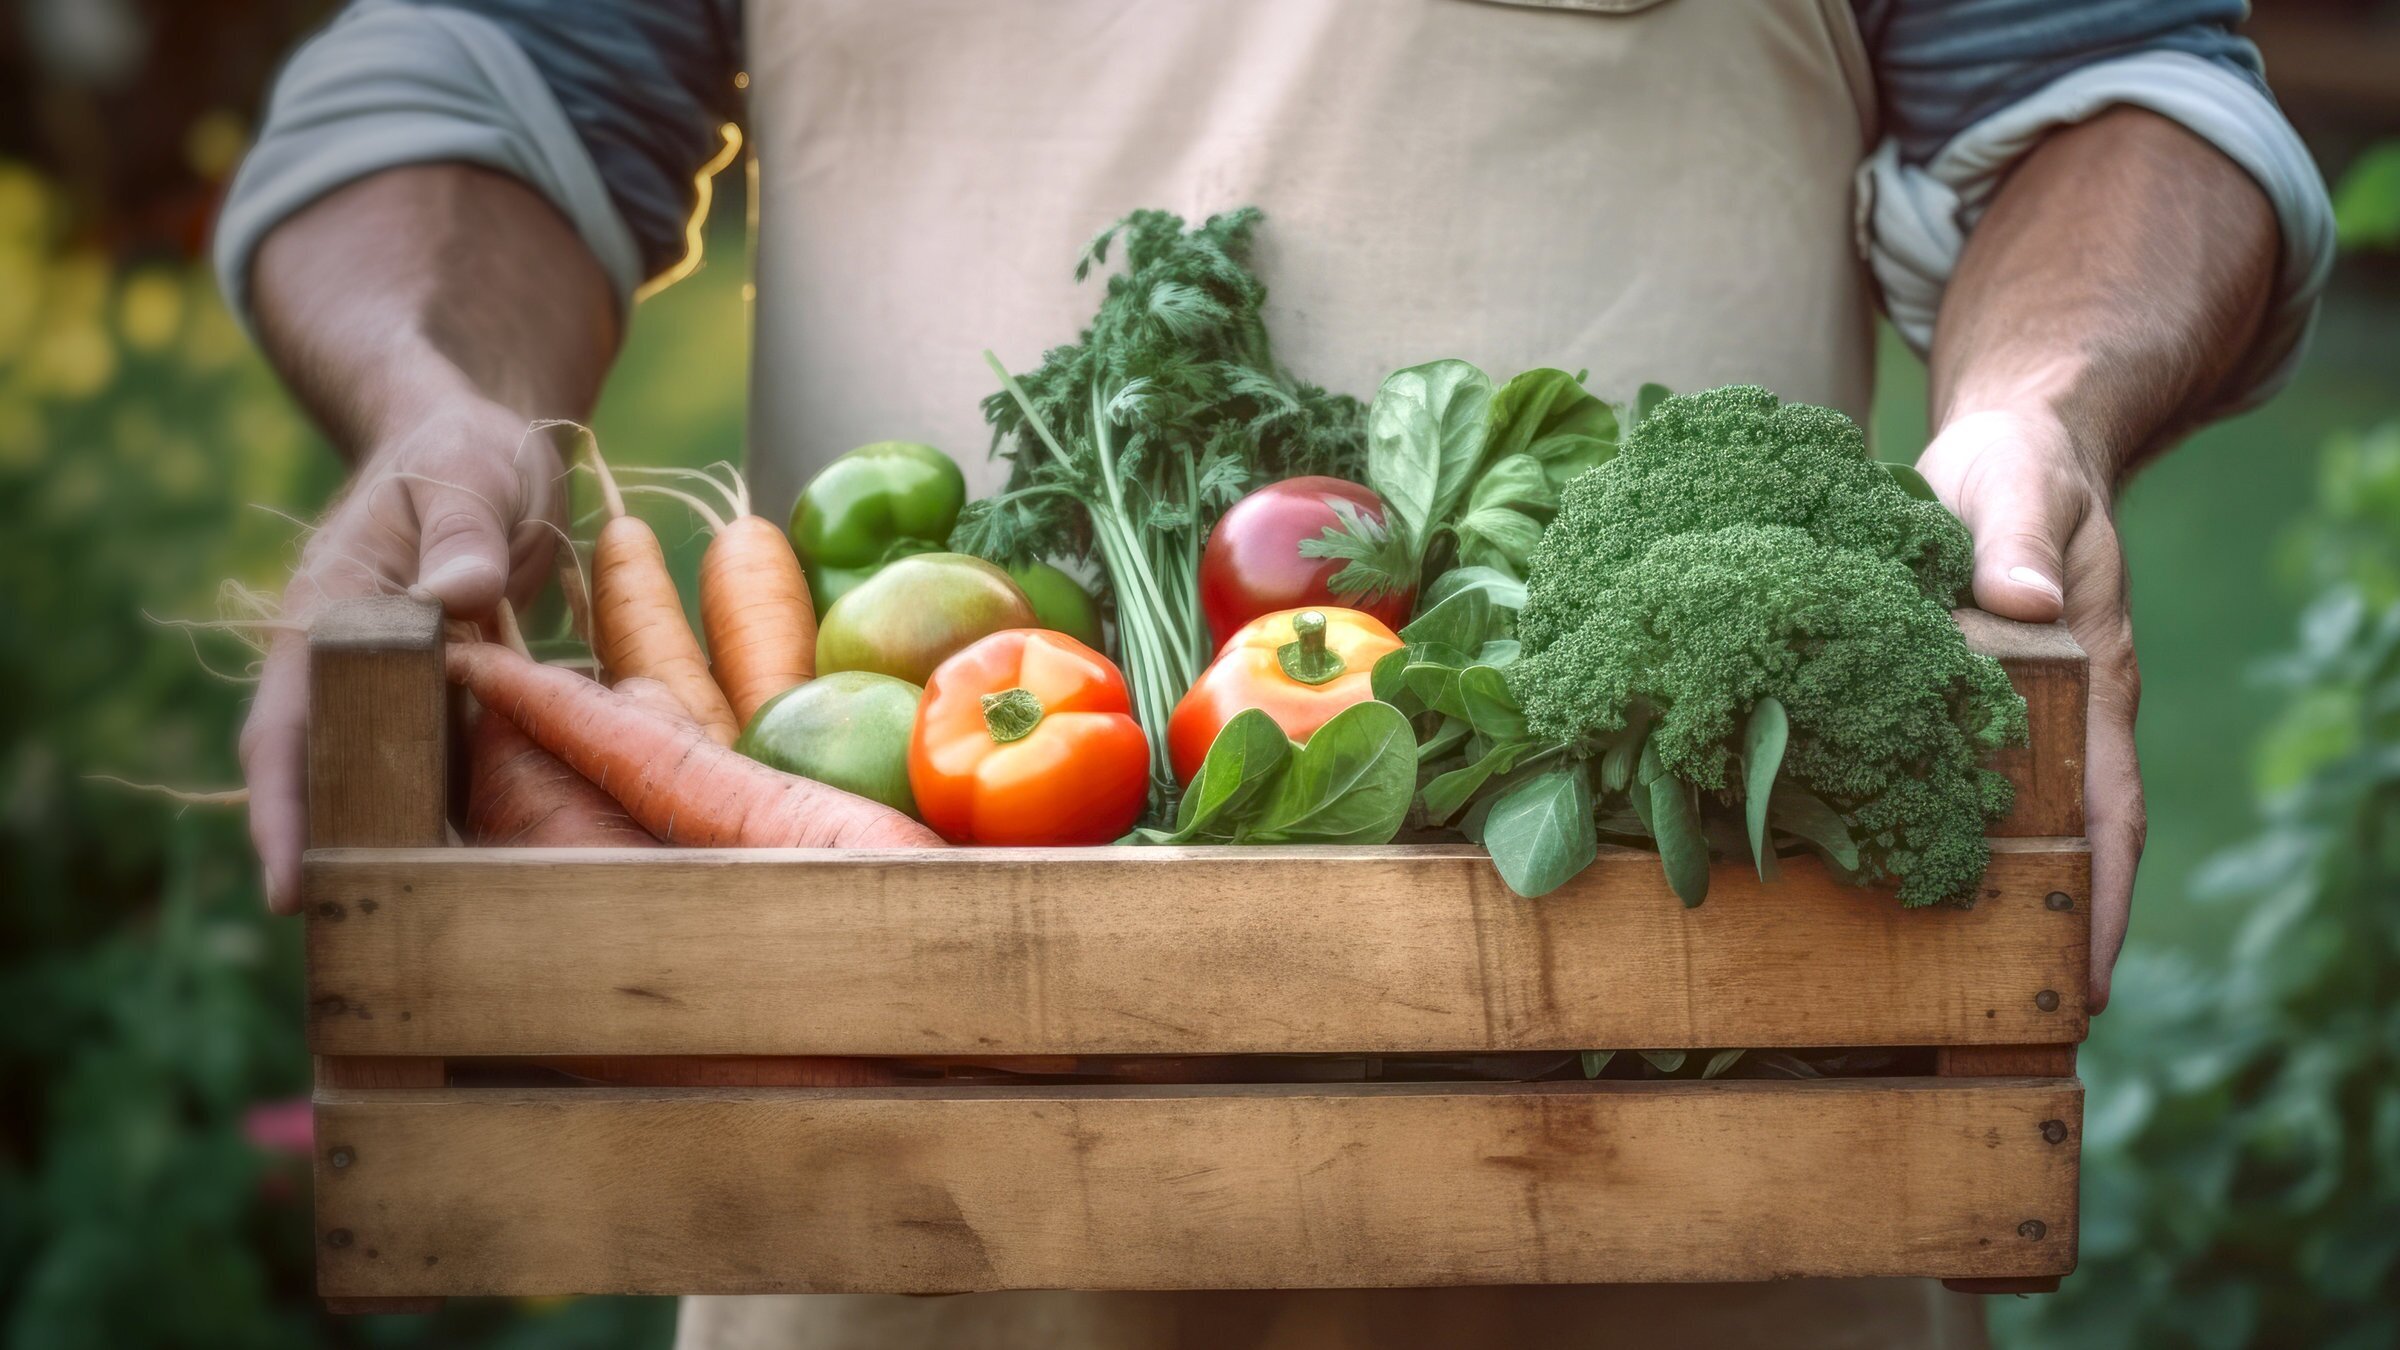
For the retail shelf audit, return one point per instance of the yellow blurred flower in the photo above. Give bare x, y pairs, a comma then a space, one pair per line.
78, 286
74, 361
215, 144
212, 340
150, 309
20, 295
24, 205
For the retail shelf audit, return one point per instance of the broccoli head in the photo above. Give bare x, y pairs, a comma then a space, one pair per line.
1737, 550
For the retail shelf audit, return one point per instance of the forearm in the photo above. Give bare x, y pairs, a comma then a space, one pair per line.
422, 286
2117, 281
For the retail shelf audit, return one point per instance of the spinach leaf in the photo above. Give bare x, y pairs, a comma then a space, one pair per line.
1435, 684
1665, 1061
1674, 822
1550, 416
1244, 758
1647, 399
1763, 741
1386, 681
1499, 537
1446, 794
1490, 707
1350, 784
1804, 816
1506, 591
1465, 620
1540, 832
1425, 439
1516, 481
1596, 1060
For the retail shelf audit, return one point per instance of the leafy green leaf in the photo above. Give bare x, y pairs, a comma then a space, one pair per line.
1596, 1060
1763, 741
1804, 816
1505, 588
1719, 1062
1435, 684
1516, 481
1465, 620
1498, 652
1446, 794
1665, 1061
1648, 399
1242, 761
1549, 415
1425, 439
1498, 536
1540, 831
1386, 681
1351, 784
1489, 705
1675, 823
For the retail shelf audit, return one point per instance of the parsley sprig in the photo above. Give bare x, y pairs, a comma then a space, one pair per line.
1126, 445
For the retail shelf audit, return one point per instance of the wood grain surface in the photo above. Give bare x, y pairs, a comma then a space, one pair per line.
1162, 951
941, 1190
2047, 667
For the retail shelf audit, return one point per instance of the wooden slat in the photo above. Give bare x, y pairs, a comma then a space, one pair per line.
2009, 1061
941, 1190
2050, 671
1162, 951
378, 745
378, 773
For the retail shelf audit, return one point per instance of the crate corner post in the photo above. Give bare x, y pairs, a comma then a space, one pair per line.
378, 769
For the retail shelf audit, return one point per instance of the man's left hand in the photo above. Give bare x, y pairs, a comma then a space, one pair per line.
2046, 547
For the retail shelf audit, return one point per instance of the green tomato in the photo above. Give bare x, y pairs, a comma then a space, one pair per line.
1060, 603
874, 504
828, 584
908, 618
847, 730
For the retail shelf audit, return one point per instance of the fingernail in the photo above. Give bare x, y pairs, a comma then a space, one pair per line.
2026, 576
266, 886
457, 569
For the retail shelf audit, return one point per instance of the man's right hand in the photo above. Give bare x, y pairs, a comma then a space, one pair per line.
463, 506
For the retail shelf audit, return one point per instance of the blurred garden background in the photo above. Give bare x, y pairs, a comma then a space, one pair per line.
2243, 1136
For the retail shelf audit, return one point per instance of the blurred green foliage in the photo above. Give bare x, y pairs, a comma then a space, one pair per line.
2242, 1142
147, 1003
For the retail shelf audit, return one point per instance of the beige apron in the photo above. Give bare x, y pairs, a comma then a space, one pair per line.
1655, 191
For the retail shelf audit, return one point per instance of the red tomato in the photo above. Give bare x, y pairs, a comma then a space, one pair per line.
1028, 737
1252, 565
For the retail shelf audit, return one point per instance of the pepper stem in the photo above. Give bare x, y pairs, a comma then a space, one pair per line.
1012, 714
1306, 658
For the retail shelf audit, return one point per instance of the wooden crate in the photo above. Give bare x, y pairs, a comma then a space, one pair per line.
586, 1071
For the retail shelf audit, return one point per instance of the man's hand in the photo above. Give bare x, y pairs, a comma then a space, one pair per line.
463, 508
2046, 548
426, 315
2114, 286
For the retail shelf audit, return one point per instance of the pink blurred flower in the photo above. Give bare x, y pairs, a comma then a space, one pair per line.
286, 1127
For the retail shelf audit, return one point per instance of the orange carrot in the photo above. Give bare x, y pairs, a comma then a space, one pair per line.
762, 627
754, 605
638, 626
673, 780
520, 796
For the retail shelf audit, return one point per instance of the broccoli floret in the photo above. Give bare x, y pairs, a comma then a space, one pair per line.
1738, 550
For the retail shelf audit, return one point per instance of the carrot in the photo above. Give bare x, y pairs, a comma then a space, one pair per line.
520, 796
754, 605
674, 781
638, 626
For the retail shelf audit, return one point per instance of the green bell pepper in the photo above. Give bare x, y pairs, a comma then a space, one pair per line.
874, 505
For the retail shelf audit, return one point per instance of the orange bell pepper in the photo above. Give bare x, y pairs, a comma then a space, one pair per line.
1027, 737
1299, 666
